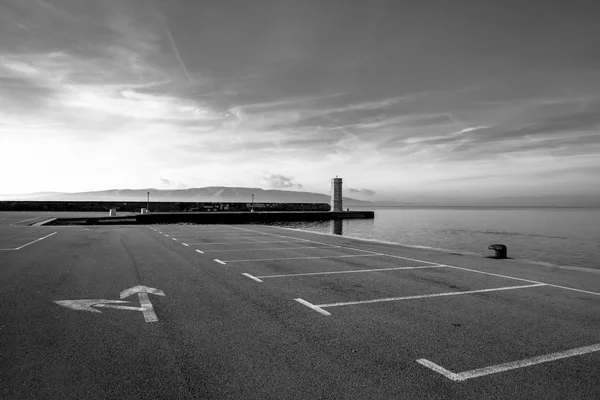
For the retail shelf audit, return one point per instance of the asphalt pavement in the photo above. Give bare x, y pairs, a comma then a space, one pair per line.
257, 312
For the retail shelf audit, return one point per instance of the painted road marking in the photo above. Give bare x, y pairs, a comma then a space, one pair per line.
36, 240
252, 277
173, 238
200, 251
433, 263
185, 244
166, 235
146, 306
234, 236
25, 220
301, 258
219, 261
312, 306
424, 296
271, 241
526, 280
142, 292
349, 271
273, 248
344, 247
88, 305
494, 369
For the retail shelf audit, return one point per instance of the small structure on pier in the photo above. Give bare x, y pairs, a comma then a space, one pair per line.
336, 194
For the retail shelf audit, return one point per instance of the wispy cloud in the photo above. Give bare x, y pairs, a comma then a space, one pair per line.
366, 192
277, 181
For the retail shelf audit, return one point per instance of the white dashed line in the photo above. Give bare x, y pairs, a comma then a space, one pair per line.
219, 261
199, 251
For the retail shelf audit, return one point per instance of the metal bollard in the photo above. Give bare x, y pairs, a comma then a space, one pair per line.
500, 250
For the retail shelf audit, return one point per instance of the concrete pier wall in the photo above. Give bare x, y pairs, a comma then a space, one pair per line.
105, 206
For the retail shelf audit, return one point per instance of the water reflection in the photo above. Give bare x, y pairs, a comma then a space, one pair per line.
337, 227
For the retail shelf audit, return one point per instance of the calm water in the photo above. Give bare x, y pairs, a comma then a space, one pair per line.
555, 235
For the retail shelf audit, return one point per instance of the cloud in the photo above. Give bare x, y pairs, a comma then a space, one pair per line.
366, 192
277, 181
165, 181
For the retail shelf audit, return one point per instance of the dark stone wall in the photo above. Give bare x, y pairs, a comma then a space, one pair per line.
104, 206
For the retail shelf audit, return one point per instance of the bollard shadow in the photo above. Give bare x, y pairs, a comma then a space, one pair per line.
498, 258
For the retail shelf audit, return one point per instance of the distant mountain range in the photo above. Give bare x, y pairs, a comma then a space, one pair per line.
205, 194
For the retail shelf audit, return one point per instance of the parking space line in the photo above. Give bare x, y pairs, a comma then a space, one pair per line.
254, 278
344, 247
219, 261
246, 242
301, 258
273, 248
185, 244
174, 238
430, 262
199, 251
312, 306
25, 220
349, 271
424, 296
214, 236
27, 244
494, 369
526, 280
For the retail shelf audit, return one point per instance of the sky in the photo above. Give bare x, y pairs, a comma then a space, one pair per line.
402, 99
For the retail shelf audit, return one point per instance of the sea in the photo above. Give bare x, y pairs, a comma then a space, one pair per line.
556, 236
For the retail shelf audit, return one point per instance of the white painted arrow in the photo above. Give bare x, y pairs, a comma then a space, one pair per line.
88, 305
142, 292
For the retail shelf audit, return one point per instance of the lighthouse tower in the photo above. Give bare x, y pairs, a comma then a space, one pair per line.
336, 194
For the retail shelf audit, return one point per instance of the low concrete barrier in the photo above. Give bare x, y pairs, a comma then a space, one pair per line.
215, 218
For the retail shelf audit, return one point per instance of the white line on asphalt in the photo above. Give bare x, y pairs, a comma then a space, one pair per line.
525, 280
302, 258
219, 261
246, 242
424, 296
312, 306
429, 262
343, 247
185, 244
25, 220
349, 271
36, 240
200, 251
492, 274
494, 369
238, 236
573, 289
166, 235
275, 248
174, 238
252, 277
